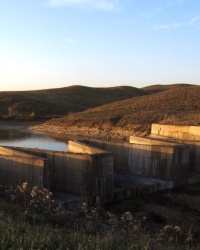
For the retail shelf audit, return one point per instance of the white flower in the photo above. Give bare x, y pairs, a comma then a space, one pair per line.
177, 229
84, 205
12, 197
167, 228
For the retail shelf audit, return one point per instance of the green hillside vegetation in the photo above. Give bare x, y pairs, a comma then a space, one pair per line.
177, 106
159, 87
61, 101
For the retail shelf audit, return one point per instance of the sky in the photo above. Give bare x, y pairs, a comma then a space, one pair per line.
98, 43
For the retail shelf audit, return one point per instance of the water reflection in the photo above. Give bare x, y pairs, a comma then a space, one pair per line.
13, 134
22, 137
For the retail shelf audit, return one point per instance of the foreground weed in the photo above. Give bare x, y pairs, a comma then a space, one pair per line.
40, 223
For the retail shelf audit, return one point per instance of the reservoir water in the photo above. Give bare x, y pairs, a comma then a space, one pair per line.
20, 136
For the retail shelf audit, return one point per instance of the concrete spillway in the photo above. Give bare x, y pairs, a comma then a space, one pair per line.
105, 171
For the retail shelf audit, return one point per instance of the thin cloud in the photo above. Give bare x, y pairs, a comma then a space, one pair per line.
70, 40
162, 26
176, 25
195, 20
172, 2
149, 15
94, 4
128, 21
170, 26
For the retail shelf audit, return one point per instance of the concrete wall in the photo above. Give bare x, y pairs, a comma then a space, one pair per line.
158, 161
81, 147
100, 182
194, 155
78, 173
120, 153
88, 167
17, 167
162, 160
188, 135
179, 132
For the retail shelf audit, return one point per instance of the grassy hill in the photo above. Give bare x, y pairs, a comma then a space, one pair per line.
158, 88
62, 101
176, 106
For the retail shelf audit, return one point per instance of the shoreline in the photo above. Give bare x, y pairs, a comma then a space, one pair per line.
111, 134
77, 132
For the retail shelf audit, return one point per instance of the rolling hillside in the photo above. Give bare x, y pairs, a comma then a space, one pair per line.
62, 101
176, 106
159, 87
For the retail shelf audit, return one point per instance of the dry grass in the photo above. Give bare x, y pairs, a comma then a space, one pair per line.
177, 106
30, 219
62, 101
158, 88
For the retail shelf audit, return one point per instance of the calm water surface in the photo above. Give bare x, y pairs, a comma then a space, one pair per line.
20, 136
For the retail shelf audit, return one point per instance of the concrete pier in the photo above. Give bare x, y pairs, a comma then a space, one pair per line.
185, 135
17, 167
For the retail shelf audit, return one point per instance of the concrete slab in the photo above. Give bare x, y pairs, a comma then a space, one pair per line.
135, 180
131, 185
194, 178
68, 200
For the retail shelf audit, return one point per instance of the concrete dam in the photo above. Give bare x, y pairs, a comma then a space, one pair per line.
102, 171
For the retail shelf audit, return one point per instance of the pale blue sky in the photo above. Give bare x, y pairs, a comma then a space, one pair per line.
57, 43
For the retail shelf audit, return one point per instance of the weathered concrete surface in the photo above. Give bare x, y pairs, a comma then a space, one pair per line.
130, 185
82, 174
162, 160
120, 153
101, 178
159, 159
195, 130
193, 178
68, 200
179, 132
62, 170
97, 171
13, 152
79, 147
149, 141
194, 149
17, 167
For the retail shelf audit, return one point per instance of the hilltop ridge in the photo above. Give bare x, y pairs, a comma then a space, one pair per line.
180, 106
163, 87
61, 101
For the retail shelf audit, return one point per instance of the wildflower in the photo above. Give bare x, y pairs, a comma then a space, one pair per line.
177, 229
26, 213
24, 185
33, 193
168, 228
144, 218
135, 228
128, 216
171, 239
12, 197
84, 205
122, 218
